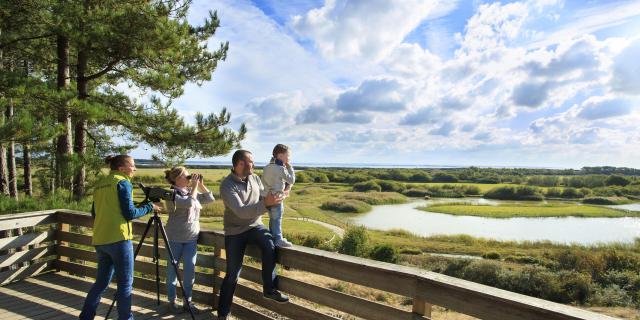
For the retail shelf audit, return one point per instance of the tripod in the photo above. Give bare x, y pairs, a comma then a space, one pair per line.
157, 227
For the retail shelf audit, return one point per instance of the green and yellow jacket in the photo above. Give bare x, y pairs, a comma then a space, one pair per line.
113, 209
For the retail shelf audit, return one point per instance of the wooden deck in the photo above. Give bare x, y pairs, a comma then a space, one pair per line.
57, 296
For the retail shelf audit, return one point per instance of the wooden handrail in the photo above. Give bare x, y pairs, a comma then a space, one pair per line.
424, 287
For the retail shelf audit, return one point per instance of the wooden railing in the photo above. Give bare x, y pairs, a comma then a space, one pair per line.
68, 231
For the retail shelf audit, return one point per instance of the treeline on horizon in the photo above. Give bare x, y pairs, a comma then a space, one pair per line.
67, 69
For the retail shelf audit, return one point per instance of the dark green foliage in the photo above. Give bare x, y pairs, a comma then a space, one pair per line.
385, 253
420, 177
544, 181
444, 177
355, 242
491, 255
367, 186
391, 186
349, 206
416, 193
617, 181
515, 193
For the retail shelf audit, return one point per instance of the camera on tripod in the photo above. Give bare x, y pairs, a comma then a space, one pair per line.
155, 194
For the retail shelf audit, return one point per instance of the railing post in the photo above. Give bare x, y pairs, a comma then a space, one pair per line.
65, 228
217, 253
421, 308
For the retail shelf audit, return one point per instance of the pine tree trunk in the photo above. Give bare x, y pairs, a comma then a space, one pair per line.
4, 184
26, 158
63, 176
80, 146
13, 177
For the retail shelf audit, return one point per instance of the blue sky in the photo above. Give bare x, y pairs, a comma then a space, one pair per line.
544, 83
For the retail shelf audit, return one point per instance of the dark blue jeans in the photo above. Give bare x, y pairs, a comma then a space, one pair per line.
112, 257
234, 247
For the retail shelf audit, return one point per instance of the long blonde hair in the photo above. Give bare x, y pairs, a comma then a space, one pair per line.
172, 174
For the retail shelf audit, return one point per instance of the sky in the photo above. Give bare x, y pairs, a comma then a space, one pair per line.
542, 83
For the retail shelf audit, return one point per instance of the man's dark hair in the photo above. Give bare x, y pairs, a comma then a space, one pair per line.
116, 162
238, 156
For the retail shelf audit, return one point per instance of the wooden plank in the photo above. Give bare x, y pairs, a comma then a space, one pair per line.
21, 257
205, 260
421, 308
24, 272
30, 219
291, 309
199, 296
353, 305
486, 302
148, 268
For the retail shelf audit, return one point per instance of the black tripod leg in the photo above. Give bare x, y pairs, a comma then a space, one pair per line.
156, 257
175, 266
144, 234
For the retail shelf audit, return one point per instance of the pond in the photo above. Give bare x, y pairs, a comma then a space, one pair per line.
564, 230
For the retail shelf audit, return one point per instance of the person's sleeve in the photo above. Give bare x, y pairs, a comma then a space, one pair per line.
204, 198
129, 211
232, 200
184, 201
289, 175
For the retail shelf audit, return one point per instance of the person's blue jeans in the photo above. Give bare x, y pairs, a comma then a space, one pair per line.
187, 251
275, 221
112, 258
234, 247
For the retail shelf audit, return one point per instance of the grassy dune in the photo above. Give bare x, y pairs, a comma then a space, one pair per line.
527, 210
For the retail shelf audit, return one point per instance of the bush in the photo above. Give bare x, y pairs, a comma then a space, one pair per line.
553, 193
416, 193
303, 177
599, 200
420, 177
411, 251
350, 206
615, 180
355, 242
391, 186
367, 186
515, 193
444, 177
491, 255
385, 253
321, 178
571, 193
611, 296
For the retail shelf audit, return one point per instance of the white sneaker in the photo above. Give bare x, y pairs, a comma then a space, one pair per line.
283, 243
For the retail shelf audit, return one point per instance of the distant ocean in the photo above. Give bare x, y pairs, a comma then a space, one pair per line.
361, 165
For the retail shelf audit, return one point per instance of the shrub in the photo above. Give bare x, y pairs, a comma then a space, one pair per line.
571, 193
367, 186
411, 251
321, 178
351, 206
390, 186
515, 193
554, 193
615, 180
355, 242
491, 255
444, 177
611, 296
385, 253
416, 193
420, 177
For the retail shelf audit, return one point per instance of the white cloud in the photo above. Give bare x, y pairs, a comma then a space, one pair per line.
368, 29
626, 70
600, 108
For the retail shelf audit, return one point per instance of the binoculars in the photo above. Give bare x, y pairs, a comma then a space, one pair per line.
194, 176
